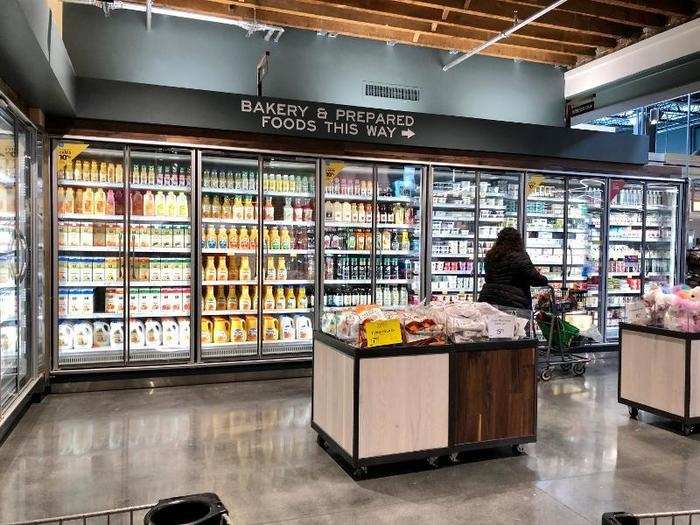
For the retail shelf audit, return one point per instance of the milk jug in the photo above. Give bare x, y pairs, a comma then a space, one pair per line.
154, 334
287, 328
100, 334
65, 336
303, 327
171, 333
184, 332
116, 335
137, 334
82, 336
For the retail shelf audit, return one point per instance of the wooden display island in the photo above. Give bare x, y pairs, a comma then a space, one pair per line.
384, 405
659, 371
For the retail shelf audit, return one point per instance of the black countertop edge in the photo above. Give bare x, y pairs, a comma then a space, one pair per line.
659, 330
403, 350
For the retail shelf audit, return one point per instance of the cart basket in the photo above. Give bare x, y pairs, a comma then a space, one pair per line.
625, 518
561, 338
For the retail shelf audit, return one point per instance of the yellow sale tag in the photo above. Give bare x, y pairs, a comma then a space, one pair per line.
381, 333
332, 171
67, 152
534, 182
7, 148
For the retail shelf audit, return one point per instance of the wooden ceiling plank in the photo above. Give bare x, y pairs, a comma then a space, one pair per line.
675, 8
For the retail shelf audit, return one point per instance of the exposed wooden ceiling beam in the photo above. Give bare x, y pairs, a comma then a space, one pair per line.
674, 8
324, 11
610, 12
367, 30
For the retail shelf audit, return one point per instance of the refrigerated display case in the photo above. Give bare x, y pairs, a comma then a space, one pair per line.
159, 284
453, 234
230, 254
289, 262
661, 234
90, 266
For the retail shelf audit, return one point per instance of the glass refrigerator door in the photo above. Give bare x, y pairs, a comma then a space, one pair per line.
584, 247
10, 259
660, 234
453, 232
289, 238
229, 262
90, 206
25, 154
625, 221
544, 228
348, 194
160, 254
499, 194
398, 236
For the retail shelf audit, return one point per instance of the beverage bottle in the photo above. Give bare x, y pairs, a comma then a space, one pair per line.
244, 302
151, 178
67, 173
302, 299
266, 238
232, 268
394, 241
248, 209
160, 204
405, 242
274, 239
265, 182
232, 238
212, 238
88, 201
110, 207
226, 208
288, 211
237, 181
210, 269
386, 295
298, 211
347, 212
281, 269
220, 298
270, 271
244, 272
61, 199
209, 299
285, 239
354, 216
269, 210
268, 298
291, 299
389, 213
231, 299
149, 206
386, 240
183, 207
77, 171
102, 173
94, 172
206, 207
280, 300
216, 208
100, 202
244, 239
403, 296
222, 238
395, 296
253, 242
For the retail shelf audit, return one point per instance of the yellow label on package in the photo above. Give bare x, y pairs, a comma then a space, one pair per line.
534, 182
381, 333
67, 152
332, 171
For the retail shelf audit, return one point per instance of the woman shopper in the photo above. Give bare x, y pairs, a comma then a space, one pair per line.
510, 273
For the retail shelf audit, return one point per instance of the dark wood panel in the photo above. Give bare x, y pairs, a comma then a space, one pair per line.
495, 395
117, 131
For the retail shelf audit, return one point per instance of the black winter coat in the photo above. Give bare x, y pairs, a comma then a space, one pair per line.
509, 279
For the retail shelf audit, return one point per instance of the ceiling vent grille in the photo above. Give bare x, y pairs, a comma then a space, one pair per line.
373, 89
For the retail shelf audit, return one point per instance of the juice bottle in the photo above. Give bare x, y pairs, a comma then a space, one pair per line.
248, 210
69, 202
118, 174
288, 211
88, 201
209, 299
270, 271
280, 300
266, 238
102, 174
405, 241
143, 176
149, 205
347, 212
78, 170
337, 211
298, 211
183, 207
309, 211
135, 174
68, 171
254, 237
254, 300
210, 269
232, 268
226, 208
94, 171
61, 199
160, 204
231, 299
206, 207
110, 172
220, 298
302, 300
354, 217
100, 202
244, 272
221, 269
212, 238
151, 178
274, 239
237, 208
244, 239
281, 269
285, 239
222, 238
291, 298
136, 203
215, 207
269, 210
171, 204
268, 299
110, 208
232, 237
244, 302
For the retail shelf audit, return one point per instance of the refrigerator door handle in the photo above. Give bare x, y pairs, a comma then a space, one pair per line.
14, 248
25, 257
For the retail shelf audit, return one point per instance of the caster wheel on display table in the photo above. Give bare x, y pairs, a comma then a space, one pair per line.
579, 369
688, 429
546, 374
634, 412
360, 473
518, 450
454, 457
433, 461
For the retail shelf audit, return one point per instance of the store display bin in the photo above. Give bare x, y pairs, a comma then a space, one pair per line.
658, 371
383, 405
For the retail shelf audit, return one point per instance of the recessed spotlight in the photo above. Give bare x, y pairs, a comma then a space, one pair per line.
453, 51
391, 43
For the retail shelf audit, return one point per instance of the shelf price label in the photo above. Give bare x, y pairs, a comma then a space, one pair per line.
534, 182
332, 171
65, 153
385, 332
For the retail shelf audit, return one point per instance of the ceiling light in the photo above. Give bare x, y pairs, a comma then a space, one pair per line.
453, 51
391, 43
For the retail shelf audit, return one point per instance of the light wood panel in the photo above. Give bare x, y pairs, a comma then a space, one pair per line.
404, 404
694, 379
653, 371
333, 394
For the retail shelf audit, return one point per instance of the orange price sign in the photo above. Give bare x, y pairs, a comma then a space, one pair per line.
332, 171
65, 153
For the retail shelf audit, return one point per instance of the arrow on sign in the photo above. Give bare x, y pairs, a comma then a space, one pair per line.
408, 133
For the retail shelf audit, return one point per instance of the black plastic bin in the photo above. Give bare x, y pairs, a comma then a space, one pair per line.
195, 509
619, 518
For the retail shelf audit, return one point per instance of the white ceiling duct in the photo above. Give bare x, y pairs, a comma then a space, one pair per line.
250, 26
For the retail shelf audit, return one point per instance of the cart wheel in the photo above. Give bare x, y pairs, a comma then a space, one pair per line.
579, 369
321, 442
634, 412
433, 461
517, 450
454, 457
688, 429
546, 374
566, 367
360, 473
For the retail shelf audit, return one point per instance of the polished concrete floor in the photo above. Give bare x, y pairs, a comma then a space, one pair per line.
251, 444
